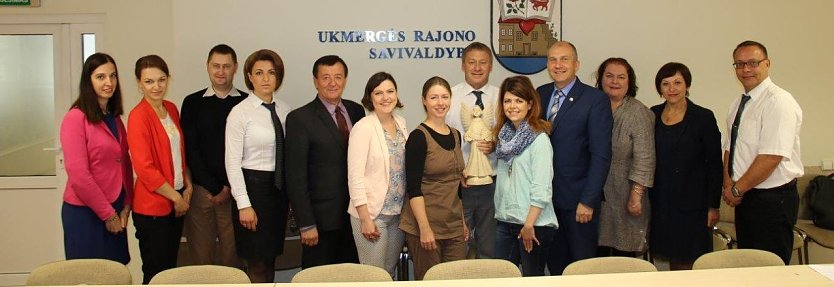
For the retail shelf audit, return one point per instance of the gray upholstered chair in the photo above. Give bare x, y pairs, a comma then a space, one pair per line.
200, 274
345, 272
735, 258
604, 265
80, 272
472, 269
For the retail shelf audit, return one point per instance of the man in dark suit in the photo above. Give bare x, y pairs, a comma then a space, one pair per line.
316, 164
581, 139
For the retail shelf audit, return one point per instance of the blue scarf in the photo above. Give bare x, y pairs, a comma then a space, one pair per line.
512, 141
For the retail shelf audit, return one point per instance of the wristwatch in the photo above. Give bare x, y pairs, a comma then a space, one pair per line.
735, 192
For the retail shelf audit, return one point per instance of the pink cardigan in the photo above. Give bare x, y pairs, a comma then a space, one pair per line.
98, 165
368, 164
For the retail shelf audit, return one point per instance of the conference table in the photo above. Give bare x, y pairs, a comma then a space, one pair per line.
793, 275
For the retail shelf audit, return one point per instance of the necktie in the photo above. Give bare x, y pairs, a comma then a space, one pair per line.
279, 145
341, 123
734, 133
478, 101
555, 103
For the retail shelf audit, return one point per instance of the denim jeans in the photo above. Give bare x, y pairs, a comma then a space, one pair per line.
509, 246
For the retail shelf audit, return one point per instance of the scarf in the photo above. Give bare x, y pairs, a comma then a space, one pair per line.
512, 141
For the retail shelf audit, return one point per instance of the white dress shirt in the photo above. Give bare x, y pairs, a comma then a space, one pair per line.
250, 142
211, 93
770, 124
462, 95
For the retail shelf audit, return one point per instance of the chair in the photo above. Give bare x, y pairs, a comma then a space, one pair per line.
605, 265
721, 240
736, 258
80, 272
806, 228
472, 269
200, 274
344, 272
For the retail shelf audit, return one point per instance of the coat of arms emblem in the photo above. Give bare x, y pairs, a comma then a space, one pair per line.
521, 32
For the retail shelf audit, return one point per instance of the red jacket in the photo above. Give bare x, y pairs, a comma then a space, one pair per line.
150, 152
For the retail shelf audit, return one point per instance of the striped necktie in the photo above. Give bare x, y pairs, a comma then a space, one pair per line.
555, 103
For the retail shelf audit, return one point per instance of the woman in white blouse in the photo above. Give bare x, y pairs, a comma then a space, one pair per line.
255, 166
376, 175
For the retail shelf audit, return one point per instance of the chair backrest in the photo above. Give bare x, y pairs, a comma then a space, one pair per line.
604, 265
802, 182
472, 269
200, 274
344, 272
80, 272
733, 258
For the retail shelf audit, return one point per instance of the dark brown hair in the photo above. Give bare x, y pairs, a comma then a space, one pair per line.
435, 81
749, 43
632, 77
374, 81
222, 49
670, 69
87, 100
264, 55
521, 87
329, 60
150, 61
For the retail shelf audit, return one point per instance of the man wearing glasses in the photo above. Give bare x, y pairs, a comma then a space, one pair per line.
761, 156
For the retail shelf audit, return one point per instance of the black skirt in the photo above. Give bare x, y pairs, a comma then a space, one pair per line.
270, 205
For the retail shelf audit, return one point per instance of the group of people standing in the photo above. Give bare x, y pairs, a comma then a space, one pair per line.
577, 171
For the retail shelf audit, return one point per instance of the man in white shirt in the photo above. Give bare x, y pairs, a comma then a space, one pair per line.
478, 206
761, 156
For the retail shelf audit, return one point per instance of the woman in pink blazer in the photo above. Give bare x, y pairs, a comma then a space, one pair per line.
99, 190
376, 175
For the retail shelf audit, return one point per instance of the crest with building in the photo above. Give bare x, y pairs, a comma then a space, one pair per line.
522, 32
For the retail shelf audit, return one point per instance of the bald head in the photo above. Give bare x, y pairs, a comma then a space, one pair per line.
566, 44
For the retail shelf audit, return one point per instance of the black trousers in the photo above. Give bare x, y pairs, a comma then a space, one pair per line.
765, 219
159, 241
335, 246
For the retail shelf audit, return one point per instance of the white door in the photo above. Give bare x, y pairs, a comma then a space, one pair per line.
39, 69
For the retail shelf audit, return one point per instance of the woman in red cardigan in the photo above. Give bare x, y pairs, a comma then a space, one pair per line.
99, 189
163, 185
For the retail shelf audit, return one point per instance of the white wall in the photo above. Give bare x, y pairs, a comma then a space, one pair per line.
649, 33
700, 34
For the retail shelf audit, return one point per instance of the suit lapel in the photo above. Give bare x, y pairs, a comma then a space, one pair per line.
545, 100
327, 122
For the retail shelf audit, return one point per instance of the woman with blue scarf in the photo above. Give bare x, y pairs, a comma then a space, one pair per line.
523, 191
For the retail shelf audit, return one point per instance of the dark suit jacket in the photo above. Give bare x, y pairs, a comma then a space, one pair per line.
581, 139
316, 165
697, 175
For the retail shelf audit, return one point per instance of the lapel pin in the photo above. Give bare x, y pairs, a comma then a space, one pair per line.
570, 99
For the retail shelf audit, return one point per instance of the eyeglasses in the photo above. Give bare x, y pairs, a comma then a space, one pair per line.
751, 64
